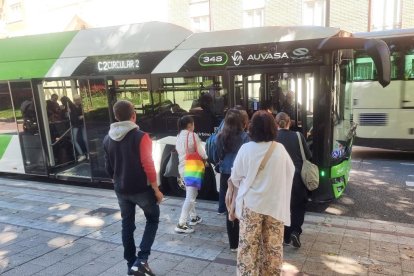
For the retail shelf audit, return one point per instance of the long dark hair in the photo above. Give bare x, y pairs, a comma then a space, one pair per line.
230, 134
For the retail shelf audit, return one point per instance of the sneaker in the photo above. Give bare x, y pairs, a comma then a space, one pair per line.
81, 158
183, 228
142, 269
195, 221
221, 213
233, 250
130, 272
295, 239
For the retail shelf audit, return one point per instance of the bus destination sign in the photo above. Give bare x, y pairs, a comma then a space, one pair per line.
117, 65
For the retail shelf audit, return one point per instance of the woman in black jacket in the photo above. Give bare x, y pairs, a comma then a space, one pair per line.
299, 196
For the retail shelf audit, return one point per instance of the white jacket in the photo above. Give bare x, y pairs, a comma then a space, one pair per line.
269, 192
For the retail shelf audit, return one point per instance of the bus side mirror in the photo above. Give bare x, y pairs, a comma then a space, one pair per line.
380, 54
375, 48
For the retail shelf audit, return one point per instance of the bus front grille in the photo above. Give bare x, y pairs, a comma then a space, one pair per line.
373, 119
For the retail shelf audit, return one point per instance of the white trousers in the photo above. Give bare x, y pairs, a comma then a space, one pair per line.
189, 204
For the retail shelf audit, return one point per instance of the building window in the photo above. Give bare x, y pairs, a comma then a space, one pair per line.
314, 12
200, 15
253, 18
15, 12
385, 15
253, 15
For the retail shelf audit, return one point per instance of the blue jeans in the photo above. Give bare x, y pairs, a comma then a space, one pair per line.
75, 131
148, 203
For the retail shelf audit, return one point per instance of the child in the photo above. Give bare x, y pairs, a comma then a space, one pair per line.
186, 133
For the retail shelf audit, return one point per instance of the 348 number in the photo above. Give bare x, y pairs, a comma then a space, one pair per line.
213, 59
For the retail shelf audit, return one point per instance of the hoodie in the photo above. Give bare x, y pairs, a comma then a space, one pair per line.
128, 158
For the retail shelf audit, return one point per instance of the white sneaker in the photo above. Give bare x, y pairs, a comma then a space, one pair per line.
183, 228
81, 158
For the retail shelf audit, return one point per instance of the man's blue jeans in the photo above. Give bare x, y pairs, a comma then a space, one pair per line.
148, 203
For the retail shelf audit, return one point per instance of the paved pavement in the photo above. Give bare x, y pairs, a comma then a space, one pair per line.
52, 229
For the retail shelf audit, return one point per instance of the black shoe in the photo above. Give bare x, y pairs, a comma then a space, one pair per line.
295, 239
129, 265
141, 268
287, 240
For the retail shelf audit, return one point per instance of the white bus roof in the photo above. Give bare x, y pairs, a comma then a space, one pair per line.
125, 39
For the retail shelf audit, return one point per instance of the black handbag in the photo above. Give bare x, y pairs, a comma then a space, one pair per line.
171, 170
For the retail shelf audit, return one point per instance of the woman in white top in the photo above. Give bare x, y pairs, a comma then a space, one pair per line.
263, 199
186, 140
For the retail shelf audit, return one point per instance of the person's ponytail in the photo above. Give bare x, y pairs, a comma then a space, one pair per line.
282, 120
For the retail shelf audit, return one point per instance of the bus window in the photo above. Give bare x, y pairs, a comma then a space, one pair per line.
202, 97
10, 153
135, 91
409, 65
365, 68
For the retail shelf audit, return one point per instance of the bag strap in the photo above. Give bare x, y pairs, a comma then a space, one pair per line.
301, 147
262, 165
266, 157
195, 143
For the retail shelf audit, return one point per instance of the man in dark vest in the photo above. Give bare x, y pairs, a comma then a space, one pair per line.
128, 160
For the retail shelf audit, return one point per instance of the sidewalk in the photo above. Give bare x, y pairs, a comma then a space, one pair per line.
51, 229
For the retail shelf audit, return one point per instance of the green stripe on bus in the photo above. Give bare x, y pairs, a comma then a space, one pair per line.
4, 142
31, 56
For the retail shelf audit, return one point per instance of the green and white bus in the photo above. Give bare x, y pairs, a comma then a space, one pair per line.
385, 117
167, 71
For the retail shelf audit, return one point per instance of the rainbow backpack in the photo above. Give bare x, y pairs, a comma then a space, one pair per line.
193, 166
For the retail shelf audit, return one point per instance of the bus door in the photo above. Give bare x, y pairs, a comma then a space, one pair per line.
291, 92
26, 112
64, 129
96, 122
